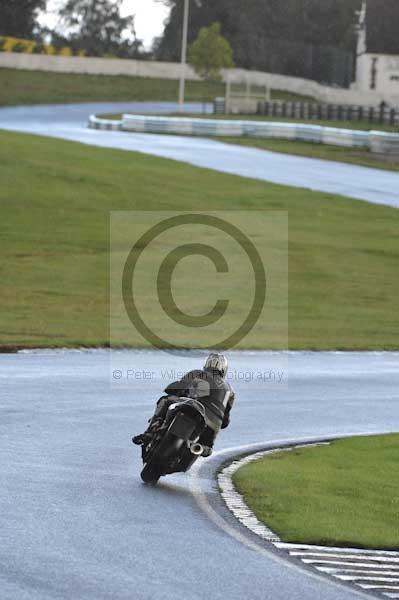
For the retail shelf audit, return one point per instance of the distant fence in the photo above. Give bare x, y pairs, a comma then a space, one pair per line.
376, 141
329, 112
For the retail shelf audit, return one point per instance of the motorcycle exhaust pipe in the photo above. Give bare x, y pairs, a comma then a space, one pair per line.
196, 449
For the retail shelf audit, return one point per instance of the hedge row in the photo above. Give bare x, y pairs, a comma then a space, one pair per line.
10, 44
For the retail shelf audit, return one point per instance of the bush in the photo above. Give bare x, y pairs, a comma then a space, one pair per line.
10, 44
38, 48
19, 47
48, 49
65, 51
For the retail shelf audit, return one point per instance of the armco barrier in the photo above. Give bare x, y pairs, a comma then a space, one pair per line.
376, 141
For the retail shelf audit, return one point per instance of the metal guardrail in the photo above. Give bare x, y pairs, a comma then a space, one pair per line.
376, 141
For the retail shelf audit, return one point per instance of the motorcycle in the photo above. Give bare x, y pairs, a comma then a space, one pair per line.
175, 447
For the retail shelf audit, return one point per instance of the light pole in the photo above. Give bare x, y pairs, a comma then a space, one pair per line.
183, 61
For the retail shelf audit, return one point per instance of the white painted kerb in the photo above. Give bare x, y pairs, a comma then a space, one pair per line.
370, 570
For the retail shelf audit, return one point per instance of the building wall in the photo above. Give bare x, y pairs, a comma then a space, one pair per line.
308, 87
168, 70
379, 72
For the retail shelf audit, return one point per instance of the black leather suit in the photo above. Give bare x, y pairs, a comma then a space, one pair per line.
209, 388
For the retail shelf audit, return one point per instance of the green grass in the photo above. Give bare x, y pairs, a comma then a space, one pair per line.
343, 494
55, 202
42, 87
358, 125
355, 156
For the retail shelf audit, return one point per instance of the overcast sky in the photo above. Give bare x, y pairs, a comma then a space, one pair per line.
150, 16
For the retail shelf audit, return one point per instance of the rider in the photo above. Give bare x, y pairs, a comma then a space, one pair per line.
206, 385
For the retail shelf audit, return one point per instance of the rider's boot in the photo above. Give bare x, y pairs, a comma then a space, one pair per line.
144, 438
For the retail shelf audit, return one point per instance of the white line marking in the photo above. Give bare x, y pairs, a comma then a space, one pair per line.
394, 579
202, 501
378, 587
336, 549
383, 571
328, 559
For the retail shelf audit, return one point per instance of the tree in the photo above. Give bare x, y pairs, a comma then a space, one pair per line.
97, 28
210, 53
270, 35
383, 26
18, 19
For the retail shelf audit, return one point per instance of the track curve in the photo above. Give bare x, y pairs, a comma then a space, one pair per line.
75, 520
70, 122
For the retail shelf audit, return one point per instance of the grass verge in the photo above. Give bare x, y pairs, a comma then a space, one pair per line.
55, 201
357, 125
346, 493
42, 87
354, 156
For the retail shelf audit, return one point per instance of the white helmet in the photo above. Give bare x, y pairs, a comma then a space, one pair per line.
217, 362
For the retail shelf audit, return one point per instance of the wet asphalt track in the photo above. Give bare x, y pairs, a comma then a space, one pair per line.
75, 520
77, 523
69, 122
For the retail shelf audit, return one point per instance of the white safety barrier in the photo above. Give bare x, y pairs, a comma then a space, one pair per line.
385, 143
376, 141
107, 124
